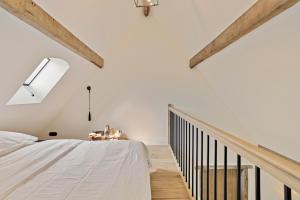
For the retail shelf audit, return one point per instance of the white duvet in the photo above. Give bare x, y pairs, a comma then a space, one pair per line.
74, 169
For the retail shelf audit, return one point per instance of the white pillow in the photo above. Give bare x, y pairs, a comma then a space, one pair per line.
11, 141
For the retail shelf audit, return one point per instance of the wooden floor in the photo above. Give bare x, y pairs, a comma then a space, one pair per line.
166, 182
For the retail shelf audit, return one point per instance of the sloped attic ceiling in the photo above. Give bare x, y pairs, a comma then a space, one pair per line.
101, 23
249, 88
147, 59
22, 49
122, 34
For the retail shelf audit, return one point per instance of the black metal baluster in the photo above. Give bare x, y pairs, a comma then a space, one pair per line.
225, 173
216, 172
207, 170
257, 184
171, 129
175, 119
174, 136
183, 148
179, 143
186, 150
287, 193
182, 144
181, 135
177, 139
189, 162
193, 157
239, 183
197, 164
201, 170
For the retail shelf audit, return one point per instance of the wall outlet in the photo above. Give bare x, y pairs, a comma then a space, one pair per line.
52, 134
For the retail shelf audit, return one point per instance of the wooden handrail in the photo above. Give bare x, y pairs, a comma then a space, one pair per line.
284, 170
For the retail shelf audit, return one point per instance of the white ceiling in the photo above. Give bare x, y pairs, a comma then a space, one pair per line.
104, 23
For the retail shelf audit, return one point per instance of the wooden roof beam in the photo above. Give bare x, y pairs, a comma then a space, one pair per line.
259, 13
34, 15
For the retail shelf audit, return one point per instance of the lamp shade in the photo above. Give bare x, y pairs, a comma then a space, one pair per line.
146, 3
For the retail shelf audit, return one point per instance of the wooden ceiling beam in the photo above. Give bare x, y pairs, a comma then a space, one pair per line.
34, 15
259, 13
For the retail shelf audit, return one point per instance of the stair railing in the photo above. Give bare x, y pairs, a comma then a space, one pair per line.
186, 138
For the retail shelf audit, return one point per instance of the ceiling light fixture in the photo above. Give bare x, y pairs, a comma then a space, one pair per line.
146, 4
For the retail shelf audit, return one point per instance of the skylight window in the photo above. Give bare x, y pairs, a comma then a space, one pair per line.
36, 72
41, 81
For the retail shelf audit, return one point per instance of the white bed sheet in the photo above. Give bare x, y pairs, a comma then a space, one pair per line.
76, 170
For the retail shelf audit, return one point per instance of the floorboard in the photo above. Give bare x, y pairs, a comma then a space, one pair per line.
166, 182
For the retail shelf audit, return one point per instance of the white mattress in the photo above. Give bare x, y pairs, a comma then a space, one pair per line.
73, 170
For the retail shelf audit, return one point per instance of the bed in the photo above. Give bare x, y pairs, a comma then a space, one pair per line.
75, 169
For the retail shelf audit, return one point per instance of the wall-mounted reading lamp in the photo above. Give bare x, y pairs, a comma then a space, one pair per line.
89, 88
